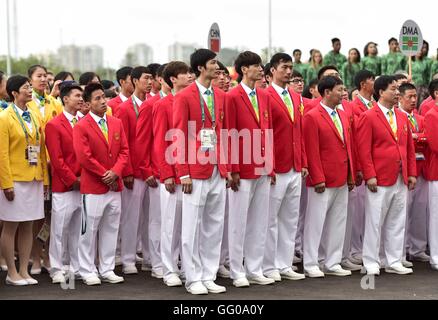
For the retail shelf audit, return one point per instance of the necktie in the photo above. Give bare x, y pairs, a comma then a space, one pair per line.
74, 121
413, 121
210, 106
104, 128
289, 104
255, 104
26, 116
392, 123
337, 124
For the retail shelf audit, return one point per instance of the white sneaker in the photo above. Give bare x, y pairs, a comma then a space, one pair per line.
197, 289
118, 261
130, 270
348, 265
213, 287
292, 275
92, 281
398, 269
58, 277
263, 281
407, 264
173, 281
337, 271
112, 278
274, 275
421, 257
241, 283
158, 274
223, 272
314, 273
370, 271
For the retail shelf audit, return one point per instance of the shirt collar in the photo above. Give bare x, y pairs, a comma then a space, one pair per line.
385, 109
123, 98
409, 114
97, 118
69, 116
201, 88
279, 89
364, 99
20, 111
137, 101
328, 109
247, 89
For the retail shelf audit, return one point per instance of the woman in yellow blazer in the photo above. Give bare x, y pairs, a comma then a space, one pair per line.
3, 105
23, 175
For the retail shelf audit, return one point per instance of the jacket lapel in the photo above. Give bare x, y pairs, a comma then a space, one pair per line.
280, 101
401, 125
34, 116
67, 125
248, 104
198, 96
326, 116
382, 118
97, 129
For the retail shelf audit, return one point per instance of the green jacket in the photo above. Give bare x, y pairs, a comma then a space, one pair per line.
433, 69
302, 68
393, 62
332, 59
312, 73
421, 71
373, 64
348, 72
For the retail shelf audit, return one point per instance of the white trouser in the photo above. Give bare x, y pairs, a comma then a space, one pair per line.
225, 248
300, 227
385, 219
433, 222
284, 211
154, 228
65, 229
352, 195
171, 211
132, 201
143, 230
202, 228
325, 223
101, 214
358, 221
248, 226
416, 223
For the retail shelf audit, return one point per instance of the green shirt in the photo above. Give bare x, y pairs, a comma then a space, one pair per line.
421, 70
372, 64
348, 72
393, 62
433, 69
334, 59
312, 73
302, 68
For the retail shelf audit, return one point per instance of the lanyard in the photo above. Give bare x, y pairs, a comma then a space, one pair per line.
41, 100
363, 101
161, 94
203, 111
20, 119
135, 106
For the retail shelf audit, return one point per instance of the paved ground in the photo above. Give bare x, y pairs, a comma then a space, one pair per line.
423, 284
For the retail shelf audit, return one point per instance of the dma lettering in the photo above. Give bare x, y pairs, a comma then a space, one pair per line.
239, 310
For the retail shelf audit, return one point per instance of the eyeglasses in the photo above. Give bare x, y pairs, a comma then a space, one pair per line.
296, 81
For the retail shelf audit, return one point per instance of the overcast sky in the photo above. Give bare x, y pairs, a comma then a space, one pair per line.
43, 25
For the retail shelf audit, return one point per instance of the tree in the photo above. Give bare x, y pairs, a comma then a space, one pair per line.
265, 53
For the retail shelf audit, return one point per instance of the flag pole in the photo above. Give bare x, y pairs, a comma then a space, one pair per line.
8, 31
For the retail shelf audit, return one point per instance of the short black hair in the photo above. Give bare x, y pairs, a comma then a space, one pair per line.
296, 51
137, 72
63, 75
334, 40
362, 76
107, 84
382, 83
173, 69
365, 49
433, 86
123, 74
87, 77
267, 70
15, 83
89, 89
306, 92
400, 76
296, 74
153, 67
67, 87
199, 58
246, 59
391, 40
161, 70
279, 58
110, 94
324, 69
328, 83
405, 87
34, 68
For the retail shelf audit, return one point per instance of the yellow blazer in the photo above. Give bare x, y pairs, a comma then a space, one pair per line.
109, 111
13, 164
52, 108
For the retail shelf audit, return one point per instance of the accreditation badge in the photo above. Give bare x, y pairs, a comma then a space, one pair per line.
208, 139
32, 154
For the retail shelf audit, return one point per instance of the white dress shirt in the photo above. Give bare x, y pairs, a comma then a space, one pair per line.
29, 124
70, 117
330, 111
385, 112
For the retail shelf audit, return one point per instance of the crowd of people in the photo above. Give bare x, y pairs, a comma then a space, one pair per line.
181, 172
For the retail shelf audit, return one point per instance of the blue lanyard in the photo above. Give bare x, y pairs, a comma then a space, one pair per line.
20, 119
203, 109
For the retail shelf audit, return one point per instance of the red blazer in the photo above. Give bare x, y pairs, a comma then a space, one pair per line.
431, 132
126, 114
329, 157
114, 104
145, 158
193, 161
312, 104
427, 104
241, 116
96, 156
288, 142
64, 166
380, 153
163, 122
